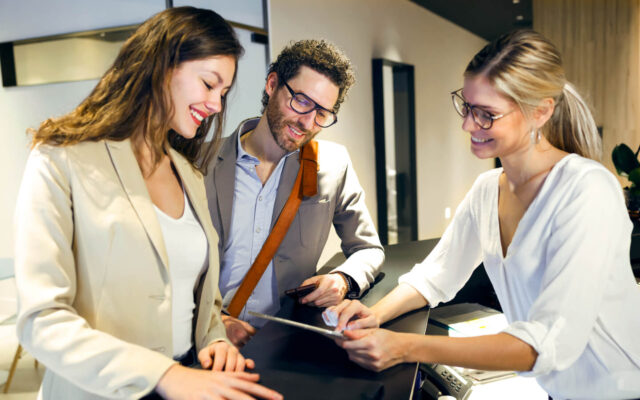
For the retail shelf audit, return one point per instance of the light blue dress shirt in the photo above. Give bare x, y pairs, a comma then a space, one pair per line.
250, 226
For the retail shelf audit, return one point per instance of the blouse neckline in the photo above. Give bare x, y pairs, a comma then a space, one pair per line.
534, 203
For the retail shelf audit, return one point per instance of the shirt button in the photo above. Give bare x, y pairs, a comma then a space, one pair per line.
259, 198
258, 230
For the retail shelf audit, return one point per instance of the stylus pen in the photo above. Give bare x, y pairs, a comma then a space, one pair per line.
316, 329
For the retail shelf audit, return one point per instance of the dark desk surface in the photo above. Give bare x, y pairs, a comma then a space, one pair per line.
305, 365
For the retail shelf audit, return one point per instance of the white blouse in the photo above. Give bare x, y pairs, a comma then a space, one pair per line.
187, 250
565, 285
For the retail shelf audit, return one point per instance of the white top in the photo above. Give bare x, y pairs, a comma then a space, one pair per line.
187, 250
565, 286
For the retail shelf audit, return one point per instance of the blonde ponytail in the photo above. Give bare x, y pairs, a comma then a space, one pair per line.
572, 127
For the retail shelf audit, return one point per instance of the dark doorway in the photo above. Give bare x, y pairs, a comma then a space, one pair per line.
394, 116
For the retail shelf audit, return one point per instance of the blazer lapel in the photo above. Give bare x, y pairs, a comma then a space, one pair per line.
224, 178
126, 166
191, 184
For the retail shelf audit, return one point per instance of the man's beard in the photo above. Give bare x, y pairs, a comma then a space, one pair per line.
278, 128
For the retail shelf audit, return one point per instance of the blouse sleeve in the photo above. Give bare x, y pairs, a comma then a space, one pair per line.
450, 264
48, 326
587, 233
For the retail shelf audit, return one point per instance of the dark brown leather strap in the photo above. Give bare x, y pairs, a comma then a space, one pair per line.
306, 184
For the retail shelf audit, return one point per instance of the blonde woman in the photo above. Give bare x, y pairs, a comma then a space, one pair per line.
551, 228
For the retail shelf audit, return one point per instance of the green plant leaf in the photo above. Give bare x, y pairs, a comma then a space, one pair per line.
634, 192
624, 160
634, 177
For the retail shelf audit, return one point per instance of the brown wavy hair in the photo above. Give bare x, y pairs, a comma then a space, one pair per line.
319, 55
132, 96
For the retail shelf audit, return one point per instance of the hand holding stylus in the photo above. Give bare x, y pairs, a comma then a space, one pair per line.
352, 314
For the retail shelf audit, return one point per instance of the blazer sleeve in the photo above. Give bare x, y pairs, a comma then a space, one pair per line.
353, 224
217, 331
48, 326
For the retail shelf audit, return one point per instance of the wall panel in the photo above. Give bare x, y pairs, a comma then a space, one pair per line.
600, 44
24, 19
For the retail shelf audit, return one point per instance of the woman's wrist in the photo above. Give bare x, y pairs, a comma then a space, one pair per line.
377, 315
406, 343
165, 381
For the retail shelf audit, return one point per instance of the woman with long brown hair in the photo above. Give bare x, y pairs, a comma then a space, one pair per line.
116, 257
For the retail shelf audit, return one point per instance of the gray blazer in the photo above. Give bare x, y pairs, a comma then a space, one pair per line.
340, 200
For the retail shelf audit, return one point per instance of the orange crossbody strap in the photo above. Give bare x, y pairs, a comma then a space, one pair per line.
306, 184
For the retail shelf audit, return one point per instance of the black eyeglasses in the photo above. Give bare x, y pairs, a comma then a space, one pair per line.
302, 104
483, 118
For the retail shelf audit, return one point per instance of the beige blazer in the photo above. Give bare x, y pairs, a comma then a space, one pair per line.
94, 295
339, 202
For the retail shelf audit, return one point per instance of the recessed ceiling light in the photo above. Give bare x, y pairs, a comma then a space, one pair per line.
516, 1
519, 17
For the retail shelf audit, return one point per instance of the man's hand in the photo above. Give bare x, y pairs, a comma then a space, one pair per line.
331, 290
221, 355
238, 331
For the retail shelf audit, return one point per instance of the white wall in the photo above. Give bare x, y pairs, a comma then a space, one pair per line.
24, 107
400, 31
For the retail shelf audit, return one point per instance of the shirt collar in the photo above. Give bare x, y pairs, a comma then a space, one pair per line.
243, 155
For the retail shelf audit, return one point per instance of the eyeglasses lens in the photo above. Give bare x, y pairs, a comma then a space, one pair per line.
302, 104
460, 105
481, 117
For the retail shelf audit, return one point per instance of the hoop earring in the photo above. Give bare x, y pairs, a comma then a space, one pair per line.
535, 136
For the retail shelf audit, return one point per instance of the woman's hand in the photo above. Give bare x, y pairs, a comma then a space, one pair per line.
221, 355
376, 349
348, 309
185, 383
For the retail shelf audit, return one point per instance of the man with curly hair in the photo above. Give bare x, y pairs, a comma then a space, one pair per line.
254, 173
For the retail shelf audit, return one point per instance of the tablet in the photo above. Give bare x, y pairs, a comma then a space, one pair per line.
322, 331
